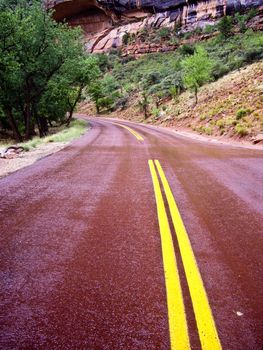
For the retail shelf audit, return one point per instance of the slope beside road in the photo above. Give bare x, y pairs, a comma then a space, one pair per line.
133, 238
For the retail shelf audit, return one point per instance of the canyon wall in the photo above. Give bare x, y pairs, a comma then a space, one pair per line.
105, 22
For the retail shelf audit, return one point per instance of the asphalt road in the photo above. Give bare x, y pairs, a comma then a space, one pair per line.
134, 238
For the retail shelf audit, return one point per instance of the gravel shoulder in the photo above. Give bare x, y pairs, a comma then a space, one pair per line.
42, 148
21, 160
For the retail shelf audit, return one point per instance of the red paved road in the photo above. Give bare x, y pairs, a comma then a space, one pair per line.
81, 260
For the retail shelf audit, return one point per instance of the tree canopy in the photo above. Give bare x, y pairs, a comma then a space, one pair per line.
197, 69
43, 68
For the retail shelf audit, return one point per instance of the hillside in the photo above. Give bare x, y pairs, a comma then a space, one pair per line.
231, 107
151, 88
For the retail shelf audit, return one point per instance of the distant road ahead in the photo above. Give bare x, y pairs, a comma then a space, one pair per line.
134, 238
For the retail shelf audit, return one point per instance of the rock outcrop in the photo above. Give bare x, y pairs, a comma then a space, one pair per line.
105, 22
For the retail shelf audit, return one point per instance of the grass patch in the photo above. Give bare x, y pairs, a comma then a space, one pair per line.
76, 129
220, 123
241, 130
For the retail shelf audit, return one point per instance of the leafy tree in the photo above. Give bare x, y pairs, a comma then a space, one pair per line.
197, 70
225, 26
38, 56
174, 92
241, 21
95, 91
144, 104
104, 92
79, 73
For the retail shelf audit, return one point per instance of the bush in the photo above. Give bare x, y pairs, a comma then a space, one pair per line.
220, 123
121, 102
225, 26
252, 13
219, 70
164, 33
241, 113
187, 49
155, 112
209, 29
241, 21
150, 79
174, 41
106, 103
187, 35
126, 38
198, 31
241, 130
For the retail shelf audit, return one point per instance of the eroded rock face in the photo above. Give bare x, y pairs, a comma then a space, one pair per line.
105, 22
89, 14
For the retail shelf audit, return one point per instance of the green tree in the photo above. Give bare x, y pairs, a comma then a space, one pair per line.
225, 26
144, 103
35, 54
78, 74
197, 70
104, 92
95, 91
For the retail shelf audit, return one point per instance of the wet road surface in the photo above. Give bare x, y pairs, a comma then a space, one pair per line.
94, 247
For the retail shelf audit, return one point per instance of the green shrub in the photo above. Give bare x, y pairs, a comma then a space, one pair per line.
241, 113
106, 103
126, 38
174, 41
155, 112
220, 123
219, 70
209, 29
205, 130
198, 30
241, 21
187, 35
252, 13
225, 26
187, 49
241, 130
164, 33
174, 92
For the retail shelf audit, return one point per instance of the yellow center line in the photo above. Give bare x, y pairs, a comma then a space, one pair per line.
176, 313
205, 323
133, 132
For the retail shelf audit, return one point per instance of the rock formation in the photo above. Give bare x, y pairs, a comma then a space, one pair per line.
105, 22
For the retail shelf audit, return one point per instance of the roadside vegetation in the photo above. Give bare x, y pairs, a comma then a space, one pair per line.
62, 134
43, 71
148, 85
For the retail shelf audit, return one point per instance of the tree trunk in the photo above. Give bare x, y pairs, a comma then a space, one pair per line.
97, 105
12, 123
70, 116
72, 106
41, 127
30, 125
145, 112
196, 90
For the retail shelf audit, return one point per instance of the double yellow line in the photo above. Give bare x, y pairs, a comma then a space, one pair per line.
179, 336
133, 132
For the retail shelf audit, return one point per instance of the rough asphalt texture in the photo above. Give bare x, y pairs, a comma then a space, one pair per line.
81, 263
